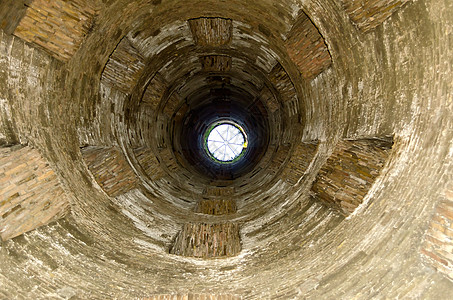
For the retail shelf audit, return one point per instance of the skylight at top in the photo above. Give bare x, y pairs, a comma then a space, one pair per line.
226, 142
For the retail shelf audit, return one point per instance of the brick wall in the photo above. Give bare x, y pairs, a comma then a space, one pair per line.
110, 169
307, 48
57, 26
149, 163
11, 12
437, 249
216, 206
155, 91
300, 160
269, 100
282, 83
279, 158
207, 240
216, 63
211, 32
349, 173
367, 14
30, 193
124, 67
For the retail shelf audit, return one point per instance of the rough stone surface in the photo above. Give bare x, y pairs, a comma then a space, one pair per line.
31, 194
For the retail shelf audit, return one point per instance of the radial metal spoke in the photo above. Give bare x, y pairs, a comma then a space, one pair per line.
225, 142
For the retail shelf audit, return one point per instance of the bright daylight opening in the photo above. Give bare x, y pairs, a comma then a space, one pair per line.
226, 142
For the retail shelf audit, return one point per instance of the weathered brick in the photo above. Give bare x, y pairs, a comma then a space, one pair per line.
124, 67
30, 192
57, 26
307, 48
110, 169
212, 32
349, 173
368, 14
207, 240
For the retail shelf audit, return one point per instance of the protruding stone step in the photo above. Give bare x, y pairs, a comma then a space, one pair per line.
211, 32
367, 14
307, 48
207, 240
349, 173
110, 169
30, 193
124, 67
57, 26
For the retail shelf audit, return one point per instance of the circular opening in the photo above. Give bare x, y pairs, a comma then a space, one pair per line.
225, 142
